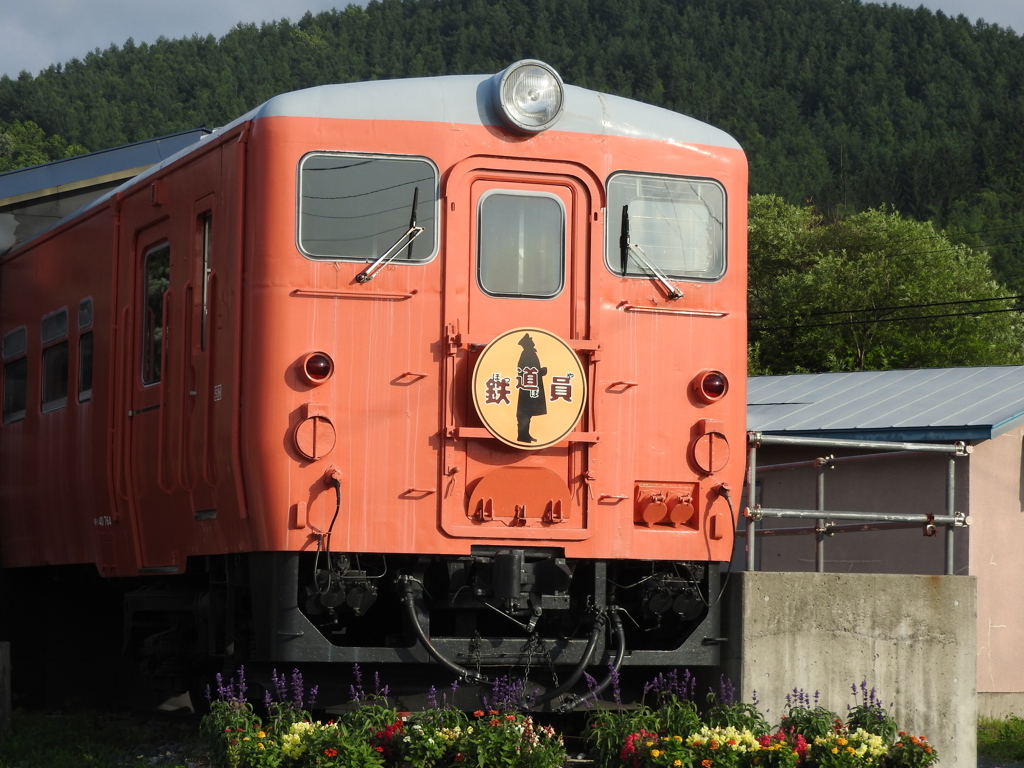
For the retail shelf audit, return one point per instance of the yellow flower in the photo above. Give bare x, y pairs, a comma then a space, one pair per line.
677, 763
835, 750
655, 752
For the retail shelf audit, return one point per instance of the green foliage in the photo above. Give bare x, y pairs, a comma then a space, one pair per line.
870, 715
88, 739
24, 143
911, 752
842, 748
806, 717
873, 291
1001, 739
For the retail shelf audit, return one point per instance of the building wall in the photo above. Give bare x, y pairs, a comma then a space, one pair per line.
997, 560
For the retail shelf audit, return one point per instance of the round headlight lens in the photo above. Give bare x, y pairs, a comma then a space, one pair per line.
711, 385
317, 367
530, 96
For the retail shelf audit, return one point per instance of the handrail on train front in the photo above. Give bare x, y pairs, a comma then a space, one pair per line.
870, 520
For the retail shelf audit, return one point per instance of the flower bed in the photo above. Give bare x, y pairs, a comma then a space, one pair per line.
672, 731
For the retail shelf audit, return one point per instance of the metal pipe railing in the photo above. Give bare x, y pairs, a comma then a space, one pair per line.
754, 513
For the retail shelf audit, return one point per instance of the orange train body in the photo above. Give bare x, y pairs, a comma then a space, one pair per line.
517, 419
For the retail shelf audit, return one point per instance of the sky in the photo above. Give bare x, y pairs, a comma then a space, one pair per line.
38, 33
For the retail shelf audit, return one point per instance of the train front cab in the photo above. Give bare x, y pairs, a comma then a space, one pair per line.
437, 512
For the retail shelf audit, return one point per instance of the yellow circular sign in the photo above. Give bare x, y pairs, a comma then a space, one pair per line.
529, 388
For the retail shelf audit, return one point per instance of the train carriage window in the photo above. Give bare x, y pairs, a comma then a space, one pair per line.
54, 376
676, 225
15, 375
84, 350
84, 314
157, 280
85, 367
359, 207
521, 245
54, 379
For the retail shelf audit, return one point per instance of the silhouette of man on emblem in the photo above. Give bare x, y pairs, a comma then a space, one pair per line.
530, 385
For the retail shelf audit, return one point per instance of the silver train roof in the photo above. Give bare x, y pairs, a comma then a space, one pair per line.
466, 100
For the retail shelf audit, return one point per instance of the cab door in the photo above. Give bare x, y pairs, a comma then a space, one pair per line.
520, 338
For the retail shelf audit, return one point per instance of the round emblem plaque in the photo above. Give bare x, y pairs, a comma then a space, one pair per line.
529, 388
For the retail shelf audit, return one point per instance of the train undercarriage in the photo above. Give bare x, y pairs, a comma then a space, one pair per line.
563, 629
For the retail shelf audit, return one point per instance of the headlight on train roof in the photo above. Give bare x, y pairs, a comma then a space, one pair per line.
529, 96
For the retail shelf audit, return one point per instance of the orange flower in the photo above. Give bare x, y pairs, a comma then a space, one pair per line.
478, 713
706, 763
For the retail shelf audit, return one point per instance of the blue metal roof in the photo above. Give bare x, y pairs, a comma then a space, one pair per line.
59, 175
926, 405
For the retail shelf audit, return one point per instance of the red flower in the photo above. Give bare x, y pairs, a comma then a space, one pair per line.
331, 752
478, 713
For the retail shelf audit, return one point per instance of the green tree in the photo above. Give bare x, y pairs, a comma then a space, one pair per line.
25, 144
873, 291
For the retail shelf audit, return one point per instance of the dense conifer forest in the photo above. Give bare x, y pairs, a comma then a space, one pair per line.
841, 105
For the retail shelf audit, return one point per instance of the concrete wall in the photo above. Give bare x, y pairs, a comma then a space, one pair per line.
910, 637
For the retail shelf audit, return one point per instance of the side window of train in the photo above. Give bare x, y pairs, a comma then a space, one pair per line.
15, 346
520, 244
157, 279
669, 224
363, 207
84, 350
53, 381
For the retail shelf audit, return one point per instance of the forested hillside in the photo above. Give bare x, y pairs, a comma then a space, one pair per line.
845, 105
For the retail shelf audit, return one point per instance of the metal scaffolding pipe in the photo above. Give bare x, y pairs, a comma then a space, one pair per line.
751, 501
836, 460
758, 513
831, 529
958, 448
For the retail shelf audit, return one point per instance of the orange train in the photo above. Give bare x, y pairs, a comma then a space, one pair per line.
443, 372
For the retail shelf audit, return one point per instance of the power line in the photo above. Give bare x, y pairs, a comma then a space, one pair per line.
888, 319
906, 306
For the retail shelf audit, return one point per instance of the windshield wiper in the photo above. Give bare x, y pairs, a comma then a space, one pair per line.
406, 239
626, 248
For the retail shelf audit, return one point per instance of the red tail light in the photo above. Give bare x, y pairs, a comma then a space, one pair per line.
711, 385
317, 367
